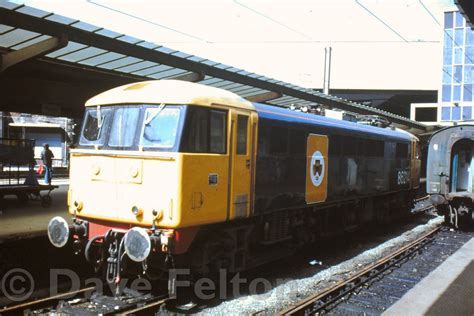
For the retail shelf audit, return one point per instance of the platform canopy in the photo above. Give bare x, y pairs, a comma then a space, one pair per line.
28, 33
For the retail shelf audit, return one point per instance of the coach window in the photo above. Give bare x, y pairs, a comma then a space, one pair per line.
242, 124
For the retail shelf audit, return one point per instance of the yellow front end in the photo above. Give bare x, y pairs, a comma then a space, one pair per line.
169, 153
137, 188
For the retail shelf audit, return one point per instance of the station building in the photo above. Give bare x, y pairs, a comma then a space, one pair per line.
456, 89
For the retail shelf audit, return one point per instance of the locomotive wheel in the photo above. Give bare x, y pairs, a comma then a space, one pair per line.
212, 254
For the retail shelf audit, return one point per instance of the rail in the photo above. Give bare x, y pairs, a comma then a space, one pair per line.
320, 302
145, 305
20, 309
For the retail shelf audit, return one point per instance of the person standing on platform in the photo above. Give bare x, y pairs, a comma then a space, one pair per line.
47, 157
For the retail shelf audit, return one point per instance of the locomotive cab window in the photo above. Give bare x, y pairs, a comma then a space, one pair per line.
160, 126
205, 131
242, 124
96, 122
124, 126
218, 124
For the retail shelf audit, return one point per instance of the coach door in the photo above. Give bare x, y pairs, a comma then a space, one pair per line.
241, 163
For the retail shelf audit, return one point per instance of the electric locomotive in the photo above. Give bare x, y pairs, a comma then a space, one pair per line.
177, 174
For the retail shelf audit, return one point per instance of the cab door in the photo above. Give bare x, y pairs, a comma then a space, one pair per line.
415, 164
242, 163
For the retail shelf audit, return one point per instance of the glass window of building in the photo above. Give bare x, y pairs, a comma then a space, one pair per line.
448, 20
447, 75
459, 19
457, 93
448, 56
456, 113
448, 38
445, 113
466, 113
458, 74
468, 74
467, 93
458, 37
446, 96
469, 55
458, 69
469, 37
458, 55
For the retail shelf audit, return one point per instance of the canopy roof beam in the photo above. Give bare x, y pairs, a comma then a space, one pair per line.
270, 95
192, 77
35, 50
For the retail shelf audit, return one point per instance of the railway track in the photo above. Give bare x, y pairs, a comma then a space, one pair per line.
43, 302
325, 300
88, 302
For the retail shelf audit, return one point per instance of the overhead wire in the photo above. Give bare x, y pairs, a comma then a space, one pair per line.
146, 20
381, 21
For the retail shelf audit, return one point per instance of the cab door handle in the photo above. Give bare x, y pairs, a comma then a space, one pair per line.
247, 163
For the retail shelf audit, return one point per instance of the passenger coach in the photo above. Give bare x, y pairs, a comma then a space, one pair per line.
450, 174
177, 174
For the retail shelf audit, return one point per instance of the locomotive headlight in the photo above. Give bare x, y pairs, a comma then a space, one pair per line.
137, 211
137, 244
58, 231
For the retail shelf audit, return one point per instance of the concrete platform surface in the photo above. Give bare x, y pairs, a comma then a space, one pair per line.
448, 290
20, 220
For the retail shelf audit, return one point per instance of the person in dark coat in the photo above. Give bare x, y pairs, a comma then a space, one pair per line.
47, 157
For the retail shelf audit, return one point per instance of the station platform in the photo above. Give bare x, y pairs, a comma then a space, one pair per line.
448, 290
22, 220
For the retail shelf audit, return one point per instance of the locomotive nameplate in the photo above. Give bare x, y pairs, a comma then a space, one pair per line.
316, 168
